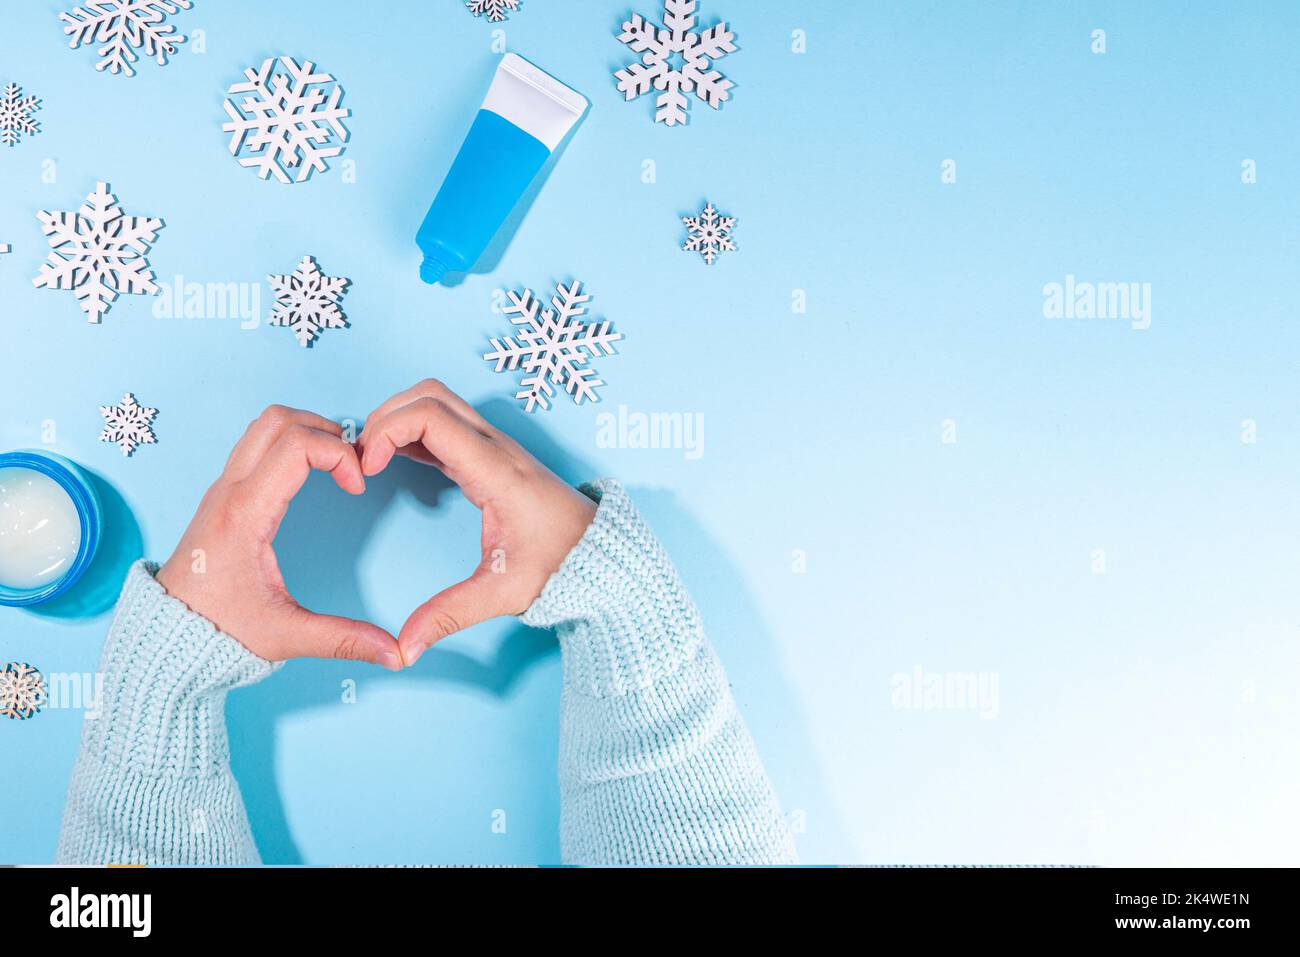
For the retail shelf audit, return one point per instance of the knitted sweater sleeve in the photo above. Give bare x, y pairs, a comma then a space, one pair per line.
656, 765
152, 783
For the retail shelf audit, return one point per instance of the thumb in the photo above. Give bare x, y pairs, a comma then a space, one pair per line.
309, 635
452, 609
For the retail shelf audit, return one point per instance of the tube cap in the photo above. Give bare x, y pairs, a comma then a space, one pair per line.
431, 270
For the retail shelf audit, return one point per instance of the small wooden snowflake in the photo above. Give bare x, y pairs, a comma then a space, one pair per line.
128, 424
16, 115
22, 691
308, 302
494, 10
709, 234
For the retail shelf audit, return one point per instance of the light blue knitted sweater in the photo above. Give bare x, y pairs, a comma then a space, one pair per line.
656, 766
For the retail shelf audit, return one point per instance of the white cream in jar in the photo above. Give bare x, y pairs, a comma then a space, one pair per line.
40, 530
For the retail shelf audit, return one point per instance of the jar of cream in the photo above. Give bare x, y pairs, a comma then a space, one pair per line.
50, 522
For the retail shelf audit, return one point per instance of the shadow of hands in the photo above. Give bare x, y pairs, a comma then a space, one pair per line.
325, 533
325, 530
318, 545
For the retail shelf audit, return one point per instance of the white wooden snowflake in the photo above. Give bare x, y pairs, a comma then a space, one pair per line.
549, 346
98, 253
129, 424
16, 115
709, 234
495, 10
124, 26
676, 60
307, 302
286, 120
22, 690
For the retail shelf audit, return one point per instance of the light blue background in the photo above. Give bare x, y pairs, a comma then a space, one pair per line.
1145, 715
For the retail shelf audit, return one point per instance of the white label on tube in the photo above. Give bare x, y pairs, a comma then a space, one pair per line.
534, 101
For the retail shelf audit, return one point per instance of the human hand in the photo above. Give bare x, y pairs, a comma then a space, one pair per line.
531, 519
225, 567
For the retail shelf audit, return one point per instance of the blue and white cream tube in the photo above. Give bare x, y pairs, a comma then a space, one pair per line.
523, 119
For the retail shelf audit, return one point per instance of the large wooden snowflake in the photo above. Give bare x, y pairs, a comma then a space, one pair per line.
676, 60
287, 120
98, 253
550, 346
124, 26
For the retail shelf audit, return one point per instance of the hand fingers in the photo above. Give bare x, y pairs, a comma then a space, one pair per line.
429, 389
265, 430
267, 491
452, 609
418, 453
461, 451
309, 635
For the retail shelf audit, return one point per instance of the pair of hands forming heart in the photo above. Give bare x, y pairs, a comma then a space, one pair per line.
225, 567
